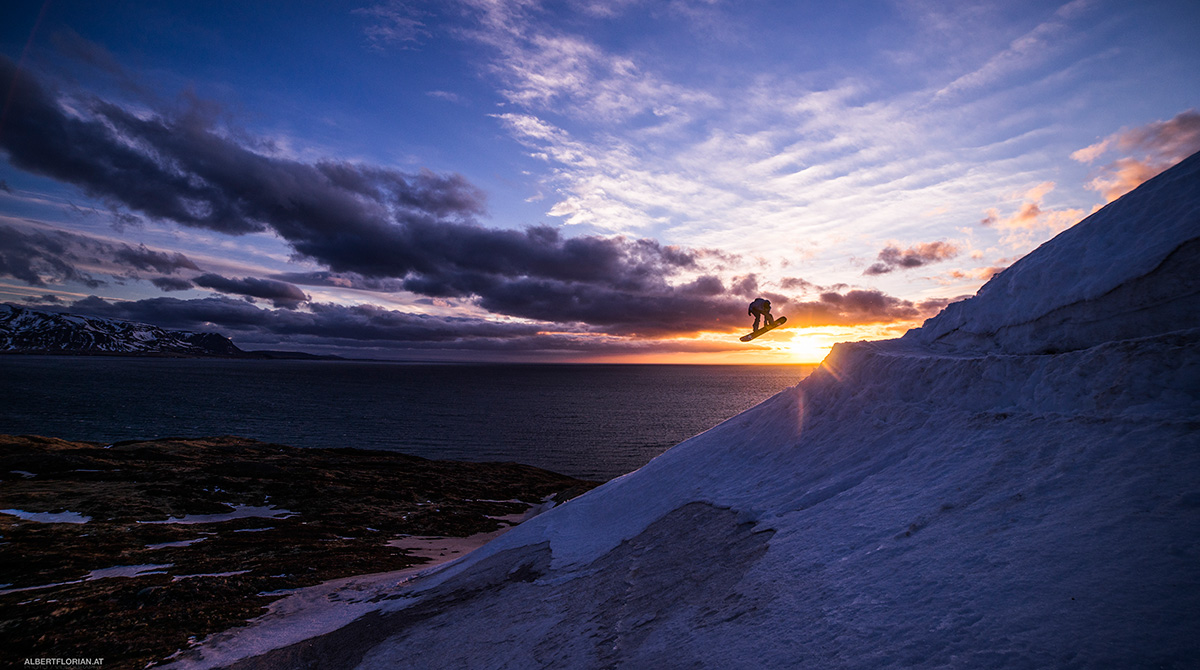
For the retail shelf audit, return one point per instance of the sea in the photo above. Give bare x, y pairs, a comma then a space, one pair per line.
588, 421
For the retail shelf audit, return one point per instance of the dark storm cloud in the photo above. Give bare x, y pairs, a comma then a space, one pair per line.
368, 330
48, 299
372, 228
325, 323
33, 257
893, 257
281, 294
373, 222
30, 256
746, 286
179, 166
365, 328
36, 256
794, 283
172, 283
142, 258
857, 307
677, 310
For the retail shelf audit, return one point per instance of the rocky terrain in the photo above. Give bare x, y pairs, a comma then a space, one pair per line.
132, 551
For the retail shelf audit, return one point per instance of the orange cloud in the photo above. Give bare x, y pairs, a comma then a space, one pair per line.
1031, 217
978, 274
1149, 150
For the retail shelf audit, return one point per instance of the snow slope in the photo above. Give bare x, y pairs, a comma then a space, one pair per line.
1014, 485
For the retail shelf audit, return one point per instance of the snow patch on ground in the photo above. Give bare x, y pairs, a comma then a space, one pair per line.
239, 512
102, 573
129, 571
176, 578
181, 543
48, 517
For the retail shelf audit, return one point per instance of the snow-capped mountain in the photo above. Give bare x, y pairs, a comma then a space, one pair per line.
1014, 485
27, 330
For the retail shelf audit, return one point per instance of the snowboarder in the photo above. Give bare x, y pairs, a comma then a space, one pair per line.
761, 309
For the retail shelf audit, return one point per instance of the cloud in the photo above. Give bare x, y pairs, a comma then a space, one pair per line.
858, 307
370, 221
1154, 148
798, 283
387, 332
893, 257
377, 228
547, 70
281, 294
142, 258
1029, 50
181, 167
394, 23
445, 95
325, 323
1031, 217
350, 280
37, 257
977, 274
745, 163
169, 284
93, 55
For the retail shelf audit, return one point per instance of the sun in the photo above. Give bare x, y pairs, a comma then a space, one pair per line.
804, 347
812, 345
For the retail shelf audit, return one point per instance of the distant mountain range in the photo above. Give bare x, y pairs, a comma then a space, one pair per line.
29, 331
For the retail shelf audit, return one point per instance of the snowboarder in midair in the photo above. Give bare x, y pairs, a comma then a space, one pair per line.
761, 309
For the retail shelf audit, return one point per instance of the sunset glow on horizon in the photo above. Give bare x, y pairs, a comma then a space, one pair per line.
572, 181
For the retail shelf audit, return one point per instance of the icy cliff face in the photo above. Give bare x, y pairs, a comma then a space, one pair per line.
1013, 486
27, 330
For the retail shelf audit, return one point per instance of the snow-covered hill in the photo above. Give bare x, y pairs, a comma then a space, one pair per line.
1015, 485
27, 330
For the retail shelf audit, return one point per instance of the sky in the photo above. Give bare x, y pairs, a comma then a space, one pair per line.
572, 181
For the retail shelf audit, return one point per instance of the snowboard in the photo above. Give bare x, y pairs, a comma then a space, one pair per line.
778, 322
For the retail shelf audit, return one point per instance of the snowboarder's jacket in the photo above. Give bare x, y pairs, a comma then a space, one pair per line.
759, 306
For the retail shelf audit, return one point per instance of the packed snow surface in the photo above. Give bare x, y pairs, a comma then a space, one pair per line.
974, 495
